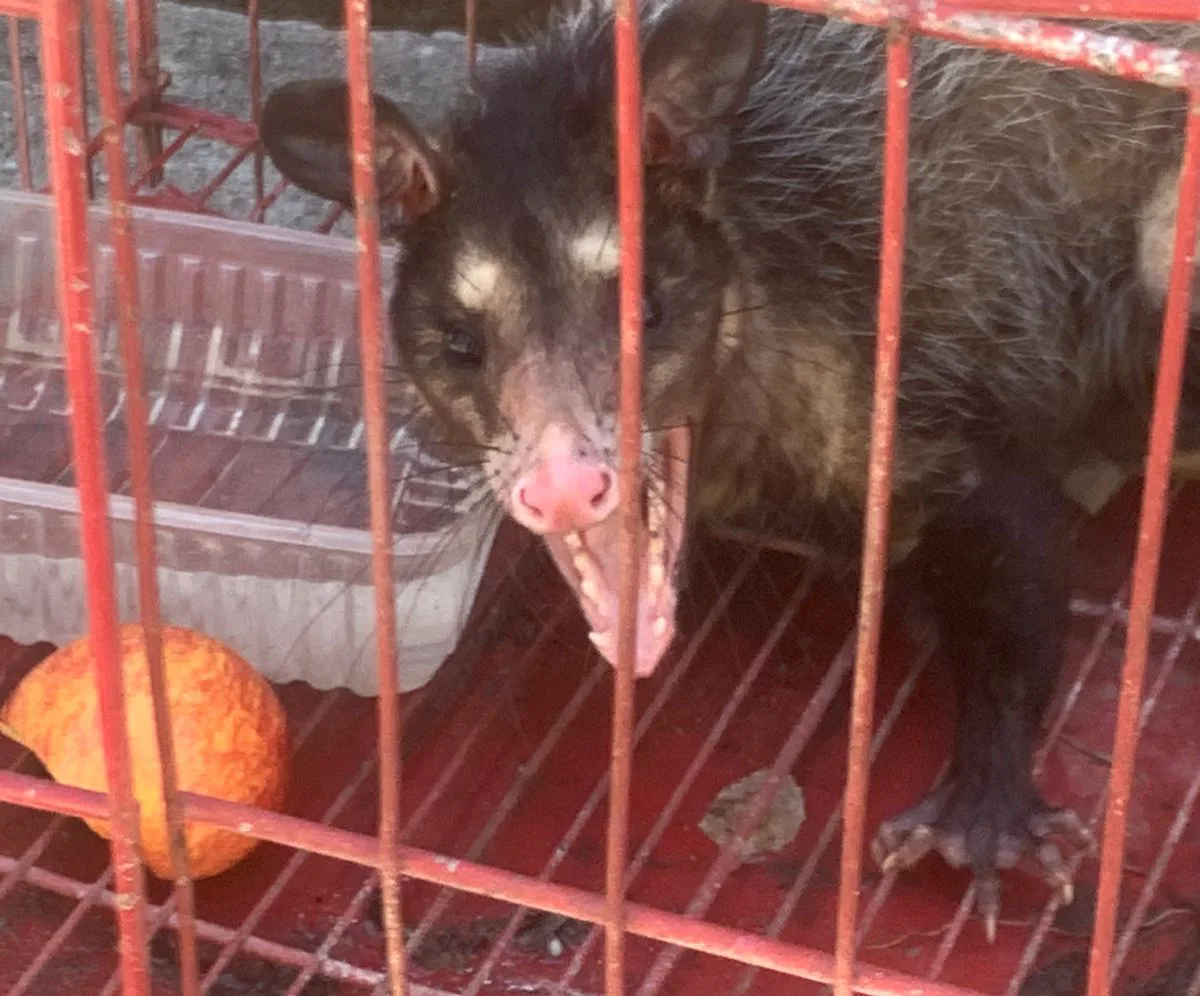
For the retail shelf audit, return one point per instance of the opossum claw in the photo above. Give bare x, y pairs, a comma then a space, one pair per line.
901, 853
987, 901
1055, 871
987, 830
1066, 822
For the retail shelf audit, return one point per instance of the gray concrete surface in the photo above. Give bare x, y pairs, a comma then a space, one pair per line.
206, 51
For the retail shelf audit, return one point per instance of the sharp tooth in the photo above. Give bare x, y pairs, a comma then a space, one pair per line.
587, 588
655, 513
573, 542
583, 565
657, 549
658, 574
660, 627
602, 642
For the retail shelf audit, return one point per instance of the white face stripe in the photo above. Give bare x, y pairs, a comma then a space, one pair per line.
597, 249
475, 279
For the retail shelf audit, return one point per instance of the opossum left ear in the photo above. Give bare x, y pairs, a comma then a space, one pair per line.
699, 63
305, 128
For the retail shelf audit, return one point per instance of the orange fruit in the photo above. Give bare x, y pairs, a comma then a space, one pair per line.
228, 728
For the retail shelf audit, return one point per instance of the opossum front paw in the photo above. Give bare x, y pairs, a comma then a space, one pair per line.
989, 830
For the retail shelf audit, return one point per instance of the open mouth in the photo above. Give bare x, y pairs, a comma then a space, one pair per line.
589, 559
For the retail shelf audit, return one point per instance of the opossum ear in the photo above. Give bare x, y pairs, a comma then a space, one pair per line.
699, 63
305, 128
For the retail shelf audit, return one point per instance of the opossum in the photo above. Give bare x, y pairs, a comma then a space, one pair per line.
1040, 216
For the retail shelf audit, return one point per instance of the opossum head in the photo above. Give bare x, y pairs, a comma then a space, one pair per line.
505, 312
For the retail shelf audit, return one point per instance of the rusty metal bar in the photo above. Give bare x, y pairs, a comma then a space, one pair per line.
509, 802
482, 880
350, 916
253, 15
60, 935
1170, 660
371, 348
755, 808
1139, 10
1144, 586
1149, 62
21, 8
1091, 658
445, 779
1153, 880
280, 882
141, 43
20, 113
630, 198
207, 124
723, 942
679, 669
160, 916
1046, 919
1183, 634
147, 173
1059, 44
280, 954
81, 55
61, 30
472, 18
28, 859
138, 423
204, 195
879, 487
330, 219
803, 879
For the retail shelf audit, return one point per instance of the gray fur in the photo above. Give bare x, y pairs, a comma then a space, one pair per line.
1034, 265
1026, 186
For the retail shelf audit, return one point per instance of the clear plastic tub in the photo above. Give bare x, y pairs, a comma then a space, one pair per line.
254, 383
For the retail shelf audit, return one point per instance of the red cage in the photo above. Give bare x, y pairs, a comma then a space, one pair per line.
505, 789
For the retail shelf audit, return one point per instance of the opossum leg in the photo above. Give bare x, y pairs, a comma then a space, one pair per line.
992, 569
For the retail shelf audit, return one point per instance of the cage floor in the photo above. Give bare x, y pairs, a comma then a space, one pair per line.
506, 763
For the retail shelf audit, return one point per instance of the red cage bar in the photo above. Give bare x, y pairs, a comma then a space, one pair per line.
138, 421
1136, 10
1149, 550
879, 492
366, 213
629, 205
123, 890
61, 45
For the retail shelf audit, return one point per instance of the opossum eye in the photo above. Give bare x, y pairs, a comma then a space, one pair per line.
464, 347
652, 314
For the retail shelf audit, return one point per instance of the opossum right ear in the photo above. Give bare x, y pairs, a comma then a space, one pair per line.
699, 63
305, 128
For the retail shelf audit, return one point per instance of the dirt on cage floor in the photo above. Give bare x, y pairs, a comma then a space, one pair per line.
507, 761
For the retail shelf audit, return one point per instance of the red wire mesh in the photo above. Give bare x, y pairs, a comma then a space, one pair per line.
121, 888
1110, 615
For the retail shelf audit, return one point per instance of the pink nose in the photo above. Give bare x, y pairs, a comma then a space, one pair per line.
564, 495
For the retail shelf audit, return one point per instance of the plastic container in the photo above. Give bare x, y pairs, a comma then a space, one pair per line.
254, 383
